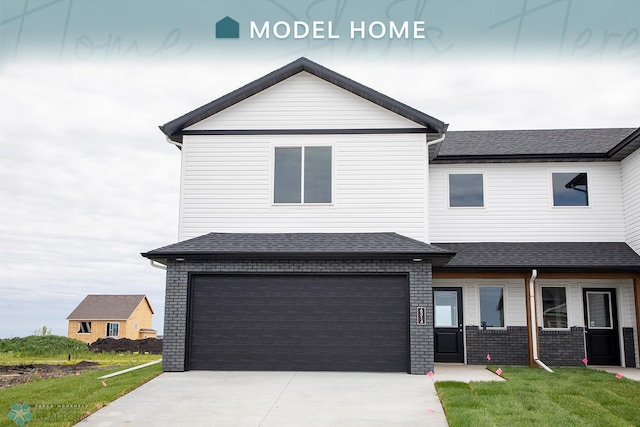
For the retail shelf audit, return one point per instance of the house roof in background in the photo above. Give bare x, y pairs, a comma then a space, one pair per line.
174, 129
300, 246
549, 256
538, 145
107, 307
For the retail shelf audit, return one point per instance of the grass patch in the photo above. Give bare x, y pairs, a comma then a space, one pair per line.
65, 401
533, 397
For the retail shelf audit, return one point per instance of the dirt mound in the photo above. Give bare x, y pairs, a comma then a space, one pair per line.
125, 345
18, 374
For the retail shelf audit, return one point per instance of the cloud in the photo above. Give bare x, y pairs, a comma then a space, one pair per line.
87, 181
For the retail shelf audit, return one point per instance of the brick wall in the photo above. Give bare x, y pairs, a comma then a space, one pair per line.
561, 348
628, 337
508, 346
420, 294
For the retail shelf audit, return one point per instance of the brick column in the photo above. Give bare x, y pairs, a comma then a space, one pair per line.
421, 336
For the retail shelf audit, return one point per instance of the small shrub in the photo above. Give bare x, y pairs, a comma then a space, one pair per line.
42, 345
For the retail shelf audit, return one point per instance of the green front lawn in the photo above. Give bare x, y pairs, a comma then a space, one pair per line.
65, 401
533, 397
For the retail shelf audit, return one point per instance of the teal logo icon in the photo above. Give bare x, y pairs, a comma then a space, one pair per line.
227, 28
20, 413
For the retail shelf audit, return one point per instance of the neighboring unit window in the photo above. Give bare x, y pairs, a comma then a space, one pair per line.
491, 307
570, 189
302, 175
112, 329
466, 190
84, 327
554, 307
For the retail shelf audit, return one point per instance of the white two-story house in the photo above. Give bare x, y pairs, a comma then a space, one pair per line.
325, 226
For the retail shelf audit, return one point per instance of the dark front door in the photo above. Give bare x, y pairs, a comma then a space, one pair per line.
448, 326
299, 322
601, 326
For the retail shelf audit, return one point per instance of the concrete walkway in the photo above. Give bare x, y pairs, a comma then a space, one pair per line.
205, 398
463, 373
631, 373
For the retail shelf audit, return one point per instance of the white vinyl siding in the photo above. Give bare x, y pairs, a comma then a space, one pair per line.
380, 185
519, 206
631, 194
304, 101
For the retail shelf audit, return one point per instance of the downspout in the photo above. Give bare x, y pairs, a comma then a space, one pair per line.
157, 265
426, 180
435, 141
534, 326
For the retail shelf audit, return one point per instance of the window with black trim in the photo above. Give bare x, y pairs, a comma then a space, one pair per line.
466, 190
570, 189
554, 307
302, 175
492, 306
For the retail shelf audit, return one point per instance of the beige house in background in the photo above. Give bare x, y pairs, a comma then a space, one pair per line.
113, 316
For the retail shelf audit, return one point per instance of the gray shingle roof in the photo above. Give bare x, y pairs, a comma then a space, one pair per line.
107, 307
542, 144
300, 246
589, 256
175, 128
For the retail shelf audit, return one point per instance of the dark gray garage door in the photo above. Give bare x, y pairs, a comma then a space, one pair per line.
299, 322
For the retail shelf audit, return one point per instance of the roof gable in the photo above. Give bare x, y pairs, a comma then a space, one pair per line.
174, 129
301, 103
108, 307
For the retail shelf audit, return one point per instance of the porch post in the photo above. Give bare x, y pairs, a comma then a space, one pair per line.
529, 326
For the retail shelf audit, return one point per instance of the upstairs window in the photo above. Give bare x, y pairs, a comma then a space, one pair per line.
570, 189
302, 175
466, 190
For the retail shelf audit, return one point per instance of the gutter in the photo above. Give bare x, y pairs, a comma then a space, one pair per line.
157, 264
534, 326
177, 144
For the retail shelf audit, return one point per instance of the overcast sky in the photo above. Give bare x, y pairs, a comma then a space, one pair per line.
87, 181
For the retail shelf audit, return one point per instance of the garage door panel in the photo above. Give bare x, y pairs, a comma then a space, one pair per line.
299, 322
283, 357
301, 337
345, 310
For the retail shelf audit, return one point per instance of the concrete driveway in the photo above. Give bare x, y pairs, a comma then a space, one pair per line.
203, 398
